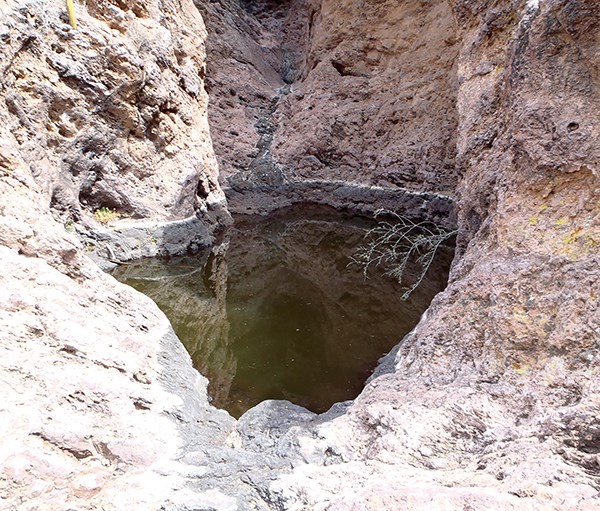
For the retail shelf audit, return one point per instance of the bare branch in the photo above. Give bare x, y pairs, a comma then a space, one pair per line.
394, 245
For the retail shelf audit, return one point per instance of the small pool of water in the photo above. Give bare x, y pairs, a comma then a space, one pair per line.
275, 312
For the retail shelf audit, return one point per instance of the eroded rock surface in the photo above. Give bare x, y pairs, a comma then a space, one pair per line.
100, 406
492, 395
111, 119
310, 97
374, 103
97, 391
490, 403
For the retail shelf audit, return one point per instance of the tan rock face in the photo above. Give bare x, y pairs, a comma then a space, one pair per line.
97, 392
111, 115
87, 395
490, 403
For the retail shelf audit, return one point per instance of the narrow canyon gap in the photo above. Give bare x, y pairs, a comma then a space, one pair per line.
302, 98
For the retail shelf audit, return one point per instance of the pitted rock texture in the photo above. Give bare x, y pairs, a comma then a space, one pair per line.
494, 392
491, 402
100, 408
99, 400
375, 100
112, 115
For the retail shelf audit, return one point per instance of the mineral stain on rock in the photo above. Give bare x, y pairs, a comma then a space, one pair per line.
275, 312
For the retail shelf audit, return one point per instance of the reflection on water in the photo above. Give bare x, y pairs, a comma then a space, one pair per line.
274, 312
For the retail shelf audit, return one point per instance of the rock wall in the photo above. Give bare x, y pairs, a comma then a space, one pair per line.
310, 97
490, 403
100, 406
254, 50
98, 395
111, 117
374, 103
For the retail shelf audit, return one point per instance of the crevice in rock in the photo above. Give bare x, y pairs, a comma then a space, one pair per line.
78, 453
255, 50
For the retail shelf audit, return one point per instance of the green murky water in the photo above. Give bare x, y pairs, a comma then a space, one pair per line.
274, 312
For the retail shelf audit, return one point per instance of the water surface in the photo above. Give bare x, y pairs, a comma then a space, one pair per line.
275, 312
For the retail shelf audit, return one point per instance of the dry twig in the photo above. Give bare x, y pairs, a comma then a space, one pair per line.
395, 244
